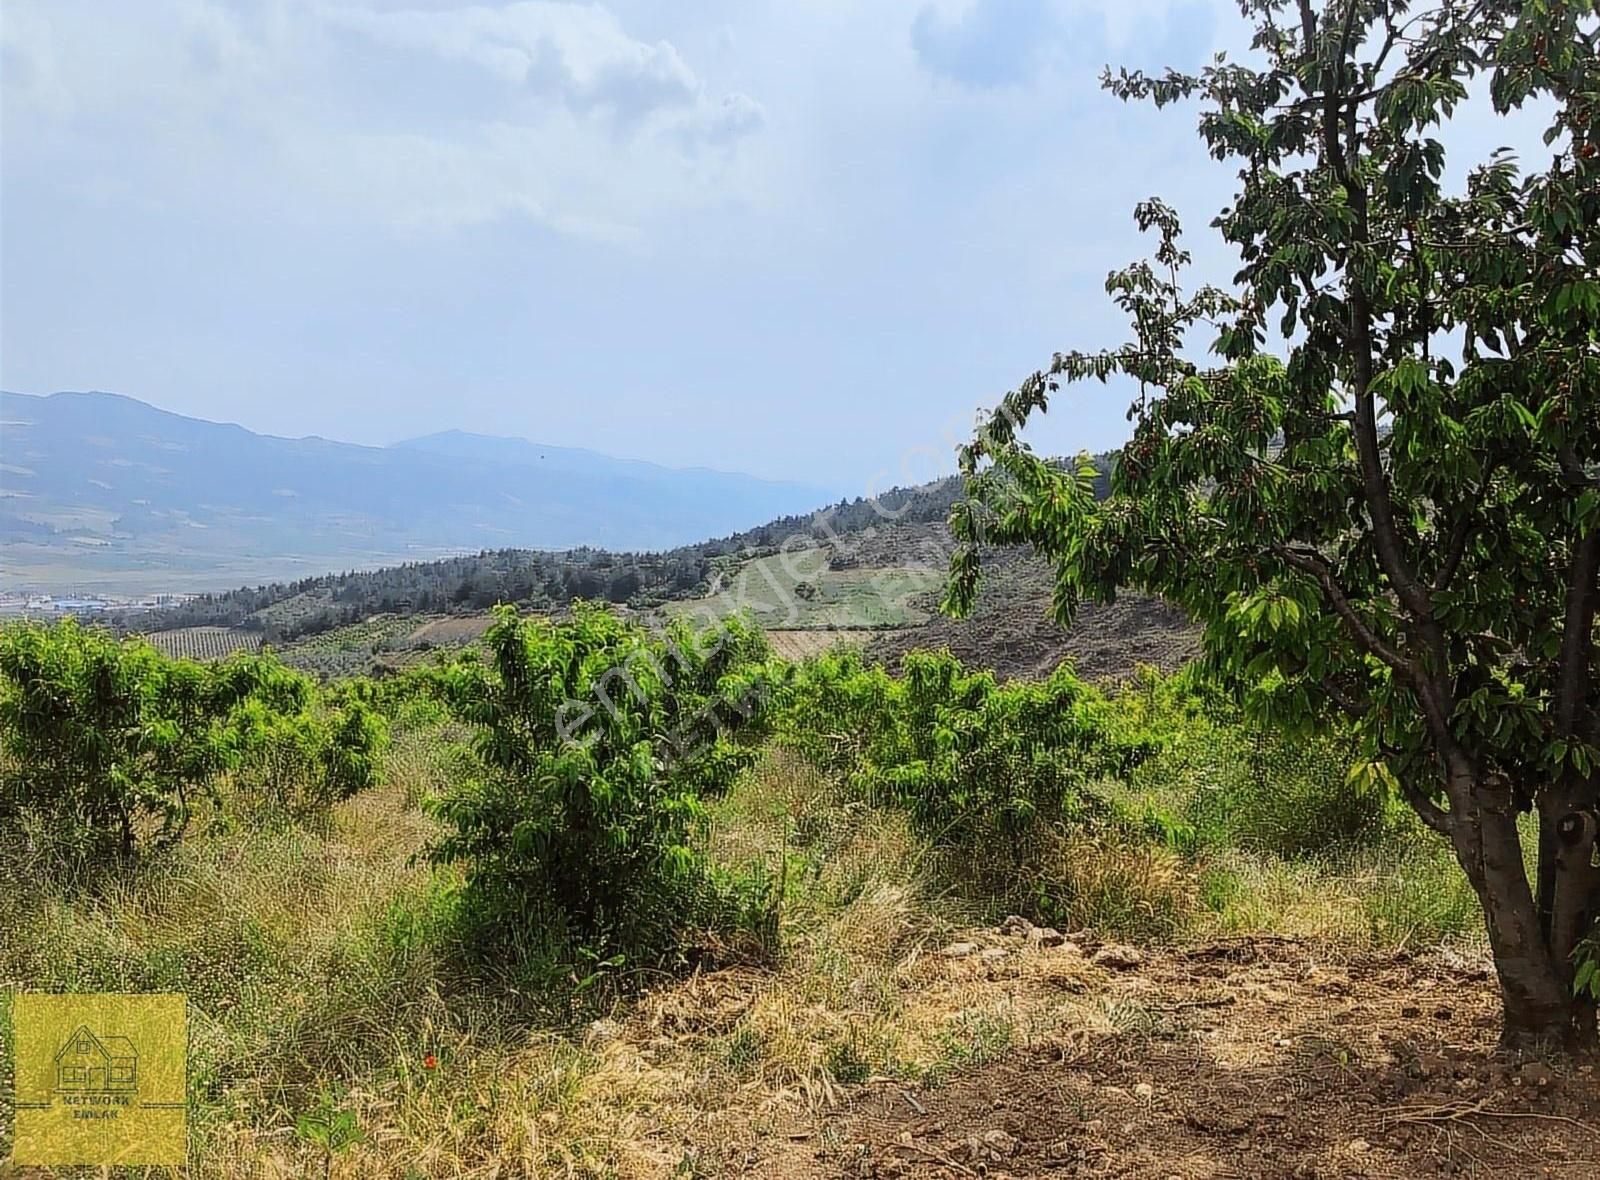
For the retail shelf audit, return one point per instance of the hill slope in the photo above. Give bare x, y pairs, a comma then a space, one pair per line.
99, 489
853, 572
540, 580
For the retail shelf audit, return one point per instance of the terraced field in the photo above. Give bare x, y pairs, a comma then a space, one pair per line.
450, 632
881, 587
205, 643
798, 645
382, 643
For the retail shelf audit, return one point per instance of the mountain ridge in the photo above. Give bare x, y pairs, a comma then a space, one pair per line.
103, 489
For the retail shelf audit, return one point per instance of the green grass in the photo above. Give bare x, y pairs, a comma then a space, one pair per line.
797, 591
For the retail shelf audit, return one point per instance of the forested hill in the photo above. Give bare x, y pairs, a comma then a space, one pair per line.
539, 579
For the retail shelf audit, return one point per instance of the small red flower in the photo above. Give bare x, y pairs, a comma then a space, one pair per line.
430, 1062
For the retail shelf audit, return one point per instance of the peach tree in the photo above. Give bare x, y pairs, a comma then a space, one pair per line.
598, 744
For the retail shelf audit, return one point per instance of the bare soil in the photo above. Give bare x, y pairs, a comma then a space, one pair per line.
450, 631
798, 645
1012, 629
1246, 1058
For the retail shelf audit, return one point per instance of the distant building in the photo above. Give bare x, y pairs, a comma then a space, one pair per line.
81, 606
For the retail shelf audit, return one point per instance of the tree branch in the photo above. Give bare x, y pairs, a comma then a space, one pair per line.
1353, 709
1385, 534
1573, 471
1456, 551
1313, 563
1427, 810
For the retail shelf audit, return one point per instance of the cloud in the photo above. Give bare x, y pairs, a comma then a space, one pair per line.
993, 44
576, 53
735, 117
421, 118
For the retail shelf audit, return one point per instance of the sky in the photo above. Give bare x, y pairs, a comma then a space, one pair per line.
806, 239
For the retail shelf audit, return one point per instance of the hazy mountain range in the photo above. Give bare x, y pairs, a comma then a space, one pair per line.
101, 490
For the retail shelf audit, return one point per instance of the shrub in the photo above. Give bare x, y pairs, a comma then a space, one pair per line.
1233, 783
109, 741
598, 743
304, 762
985, 770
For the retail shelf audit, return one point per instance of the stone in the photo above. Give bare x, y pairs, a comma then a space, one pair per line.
1536, 1074
1060, 1154
1117, 957
1000, 1143
960, 950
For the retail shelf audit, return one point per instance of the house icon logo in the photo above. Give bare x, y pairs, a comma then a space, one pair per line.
100, 1078
91, 1064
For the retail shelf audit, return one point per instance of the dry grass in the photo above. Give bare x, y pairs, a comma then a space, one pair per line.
318, 963
1124, 887
801, 645
1383, 899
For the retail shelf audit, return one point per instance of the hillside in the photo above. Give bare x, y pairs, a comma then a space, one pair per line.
536, 579
880, 587
102, 490
852, 573
1013, 631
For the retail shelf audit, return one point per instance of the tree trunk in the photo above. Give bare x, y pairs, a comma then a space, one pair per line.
1540, 1010
1569, 885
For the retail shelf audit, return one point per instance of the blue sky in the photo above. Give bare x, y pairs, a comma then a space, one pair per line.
799, 238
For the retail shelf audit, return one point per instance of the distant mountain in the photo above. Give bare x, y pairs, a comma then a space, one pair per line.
97, 489
491, 448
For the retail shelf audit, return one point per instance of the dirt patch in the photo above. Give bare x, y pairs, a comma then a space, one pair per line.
1012, 633
1248, 1058
450, 632
798, 645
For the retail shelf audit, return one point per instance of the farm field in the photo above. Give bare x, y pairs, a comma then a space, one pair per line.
881, 587
1221, 806
386, 642
803, 591
899, 1033
383, 641
450, 631
205, 643
800, 645
911, 984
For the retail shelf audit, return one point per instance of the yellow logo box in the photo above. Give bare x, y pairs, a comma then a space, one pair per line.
101, 1079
